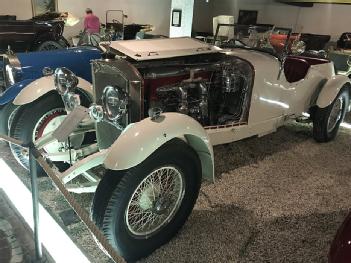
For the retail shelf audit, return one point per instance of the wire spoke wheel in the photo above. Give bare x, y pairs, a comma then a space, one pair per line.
49, 123
142, 208
155, 201
327, 120
335, 114
46, 124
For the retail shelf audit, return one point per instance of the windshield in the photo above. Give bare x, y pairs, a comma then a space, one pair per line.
265, 38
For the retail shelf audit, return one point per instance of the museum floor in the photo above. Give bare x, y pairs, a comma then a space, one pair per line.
279, 198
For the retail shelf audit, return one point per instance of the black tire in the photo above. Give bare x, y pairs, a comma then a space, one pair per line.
24, 122
49, 45
5, 113
321, 133
116, 189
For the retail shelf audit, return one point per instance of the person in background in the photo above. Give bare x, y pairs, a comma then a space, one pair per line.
91, 22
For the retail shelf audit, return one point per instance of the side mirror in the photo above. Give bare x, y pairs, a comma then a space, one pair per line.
298, 47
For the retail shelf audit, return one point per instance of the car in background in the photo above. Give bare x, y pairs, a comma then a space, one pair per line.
344, 42
342, 61
31, 35
114, 29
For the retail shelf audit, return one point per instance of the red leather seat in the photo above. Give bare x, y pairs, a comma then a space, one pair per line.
295, 69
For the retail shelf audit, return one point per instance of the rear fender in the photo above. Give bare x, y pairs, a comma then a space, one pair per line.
141, 139
38, 88
331, 89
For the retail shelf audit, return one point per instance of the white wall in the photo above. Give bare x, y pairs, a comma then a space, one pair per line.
21, 8
187, 7
326, 19
155, 12
321, 19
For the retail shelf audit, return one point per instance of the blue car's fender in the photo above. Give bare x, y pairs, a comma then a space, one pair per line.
11, 92
39, 87
30, 72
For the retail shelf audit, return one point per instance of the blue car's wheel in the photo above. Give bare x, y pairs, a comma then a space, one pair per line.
34, 120
6, 113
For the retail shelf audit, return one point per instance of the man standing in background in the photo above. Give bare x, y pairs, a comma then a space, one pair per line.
91, 22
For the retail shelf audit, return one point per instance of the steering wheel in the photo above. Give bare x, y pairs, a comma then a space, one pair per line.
116, 21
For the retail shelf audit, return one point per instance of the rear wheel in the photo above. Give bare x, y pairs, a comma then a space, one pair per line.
33, 121
326, 121
142, 208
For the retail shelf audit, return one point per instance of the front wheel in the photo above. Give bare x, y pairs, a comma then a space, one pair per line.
142, 208
6, 116
326, 121
34, 120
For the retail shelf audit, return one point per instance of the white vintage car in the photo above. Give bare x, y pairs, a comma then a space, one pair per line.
158, 110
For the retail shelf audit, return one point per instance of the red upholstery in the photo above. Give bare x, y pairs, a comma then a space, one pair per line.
312, 61
296, 67
278, 41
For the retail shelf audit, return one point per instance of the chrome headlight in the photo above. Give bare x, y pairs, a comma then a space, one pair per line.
10, 72
115, 103
96, 113
11, 68
71, 101
65, 80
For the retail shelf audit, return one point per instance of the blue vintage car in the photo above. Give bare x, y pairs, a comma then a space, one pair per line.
27, 77
21, 69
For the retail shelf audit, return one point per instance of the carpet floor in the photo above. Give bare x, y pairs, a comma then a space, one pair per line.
279, 198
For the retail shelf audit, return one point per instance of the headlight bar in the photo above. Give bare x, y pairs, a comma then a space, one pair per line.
11, 67
65, 80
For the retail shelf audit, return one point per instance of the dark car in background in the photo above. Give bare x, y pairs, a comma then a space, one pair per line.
344, 41
31, 35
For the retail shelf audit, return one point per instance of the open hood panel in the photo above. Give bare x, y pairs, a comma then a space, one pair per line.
150, 49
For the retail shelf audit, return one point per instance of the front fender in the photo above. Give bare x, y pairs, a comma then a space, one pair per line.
331, 89
141, 139
12, 91
37, 88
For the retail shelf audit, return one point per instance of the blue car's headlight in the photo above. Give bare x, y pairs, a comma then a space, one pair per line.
11, 68
65, 80
10, 72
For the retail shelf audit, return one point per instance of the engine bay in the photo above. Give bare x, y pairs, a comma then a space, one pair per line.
215, 92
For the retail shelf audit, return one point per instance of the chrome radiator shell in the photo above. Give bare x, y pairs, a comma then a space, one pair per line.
117, 72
